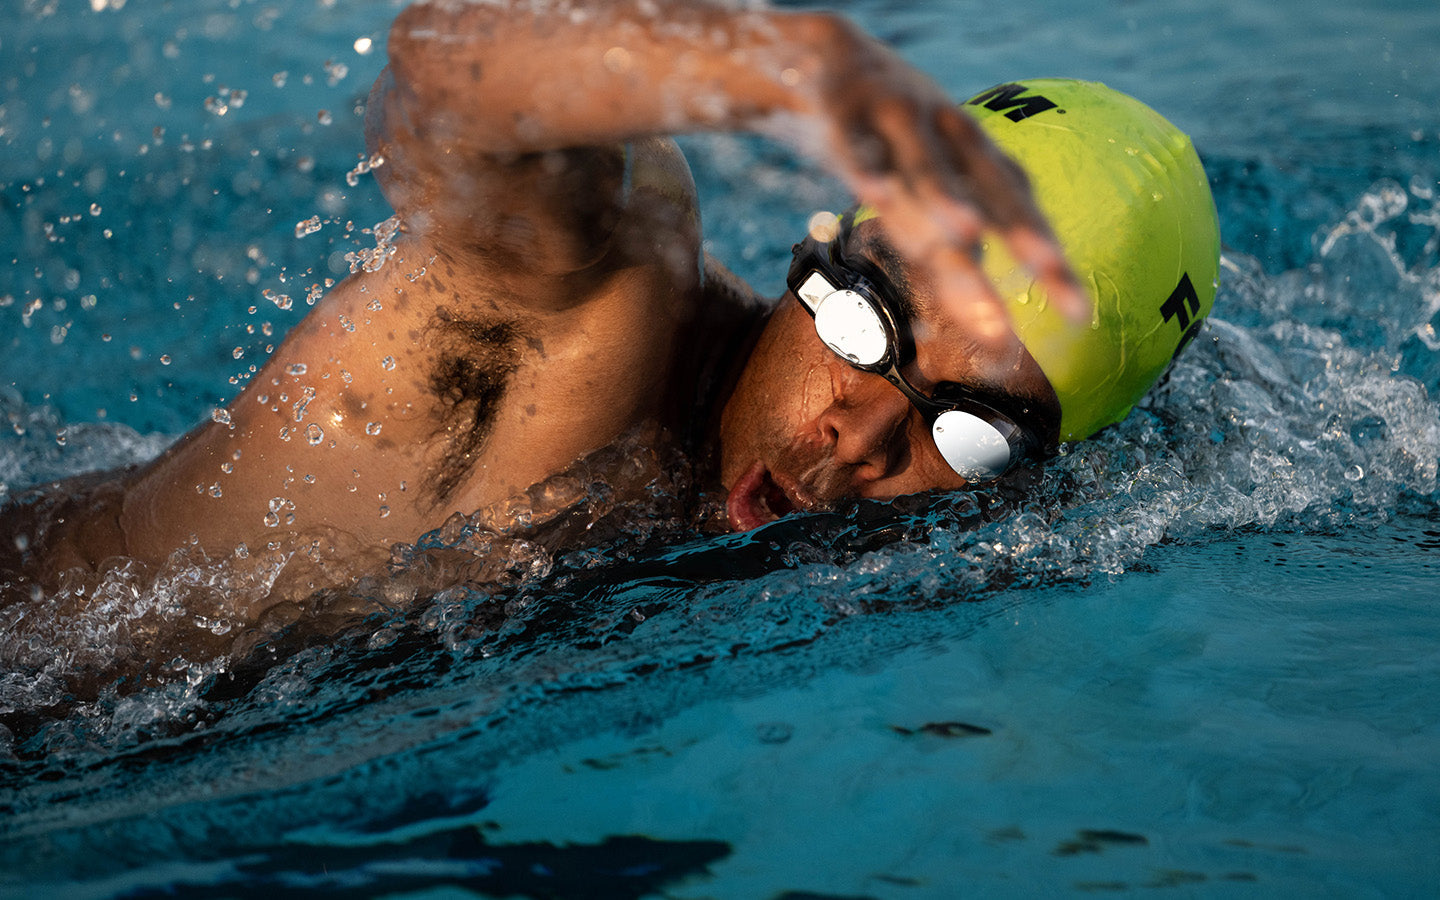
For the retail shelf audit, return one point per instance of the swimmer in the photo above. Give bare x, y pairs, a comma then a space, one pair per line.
546, 293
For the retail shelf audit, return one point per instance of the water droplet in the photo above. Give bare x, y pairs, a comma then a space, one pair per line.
314, 434
307, 226
346, 324
363, 45
220, 415
238, 352
279, 78
372, 428
297, 369
823, 226
324, 117
94, 209
384, 512
272, 519
164, 359
215, 490
387, 363
335, 71
1354, 473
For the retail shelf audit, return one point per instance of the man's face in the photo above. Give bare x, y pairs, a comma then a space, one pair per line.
804, 429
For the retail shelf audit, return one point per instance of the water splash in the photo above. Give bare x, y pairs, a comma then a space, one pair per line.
1283, 414
372, 259
352, 177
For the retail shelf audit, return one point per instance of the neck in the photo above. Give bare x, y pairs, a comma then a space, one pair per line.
720, 339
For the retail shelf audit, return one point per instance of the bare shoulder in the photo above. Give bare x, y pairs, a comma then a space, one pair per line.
543, 214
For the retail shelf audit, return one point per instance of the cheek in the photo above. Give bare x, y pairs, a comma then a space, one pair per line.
817, 389
788, 383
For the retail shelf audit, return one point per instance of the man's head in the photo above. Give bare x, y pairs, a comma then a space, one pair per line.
809, 423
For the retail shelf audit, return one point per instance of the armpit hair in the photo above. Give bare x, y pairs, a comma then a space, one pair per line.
471, 372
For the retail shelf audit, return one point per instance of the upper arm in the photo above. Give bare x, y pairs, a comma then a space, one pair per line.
551, 212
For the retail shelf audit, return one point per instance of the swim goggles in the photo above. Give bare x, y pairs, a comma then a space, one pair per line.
858, 315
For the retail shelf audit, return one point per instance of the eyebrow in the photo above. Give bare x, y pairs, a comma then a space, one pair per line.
895, 269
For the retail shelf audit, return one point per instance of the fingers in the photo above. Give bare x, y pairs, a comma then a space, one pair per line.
1040, 253
941, 183
1001, 194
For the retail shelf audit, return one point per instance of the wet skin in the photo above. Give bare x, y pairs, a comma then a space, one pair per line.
804, 429
547, 292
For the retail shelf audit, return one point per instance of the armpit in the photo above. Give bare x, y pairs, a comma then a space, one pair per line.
473, 366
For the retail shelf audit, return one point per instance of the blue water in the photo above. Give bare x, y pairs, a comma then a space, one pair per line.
1197, 659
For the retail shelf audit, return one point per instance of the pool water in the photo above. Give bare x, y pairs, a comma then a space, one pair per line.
1197, 658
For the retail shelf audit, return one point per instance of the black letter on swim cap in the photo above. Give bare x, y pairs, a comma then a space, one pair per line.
1183, 303
1007, 96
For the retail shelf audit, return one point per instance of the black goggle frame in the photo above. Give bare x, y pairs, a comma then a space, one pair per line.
861, 277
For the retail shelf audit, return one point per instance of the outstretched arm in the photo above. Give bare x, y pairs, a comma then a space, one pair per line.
479, 81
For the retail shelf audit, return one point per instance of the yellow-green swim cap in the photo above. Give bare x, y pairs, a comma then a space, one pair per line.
1129, 201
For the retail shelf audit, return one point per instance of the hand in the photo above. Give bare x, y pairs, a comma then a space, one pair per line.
937, 181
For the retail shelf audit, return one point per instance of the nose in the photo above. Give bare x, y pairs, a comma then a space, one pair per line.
866, 421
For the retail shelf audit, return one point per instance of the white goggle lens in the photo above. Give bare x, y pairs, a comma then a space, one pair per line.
850, 326
971, 445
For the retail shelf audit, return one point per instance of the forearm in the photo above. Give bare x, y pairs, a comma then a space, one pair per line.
519, 76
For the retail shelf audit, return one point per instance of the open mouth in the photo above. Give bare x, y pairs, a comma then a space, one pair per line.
756, 499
